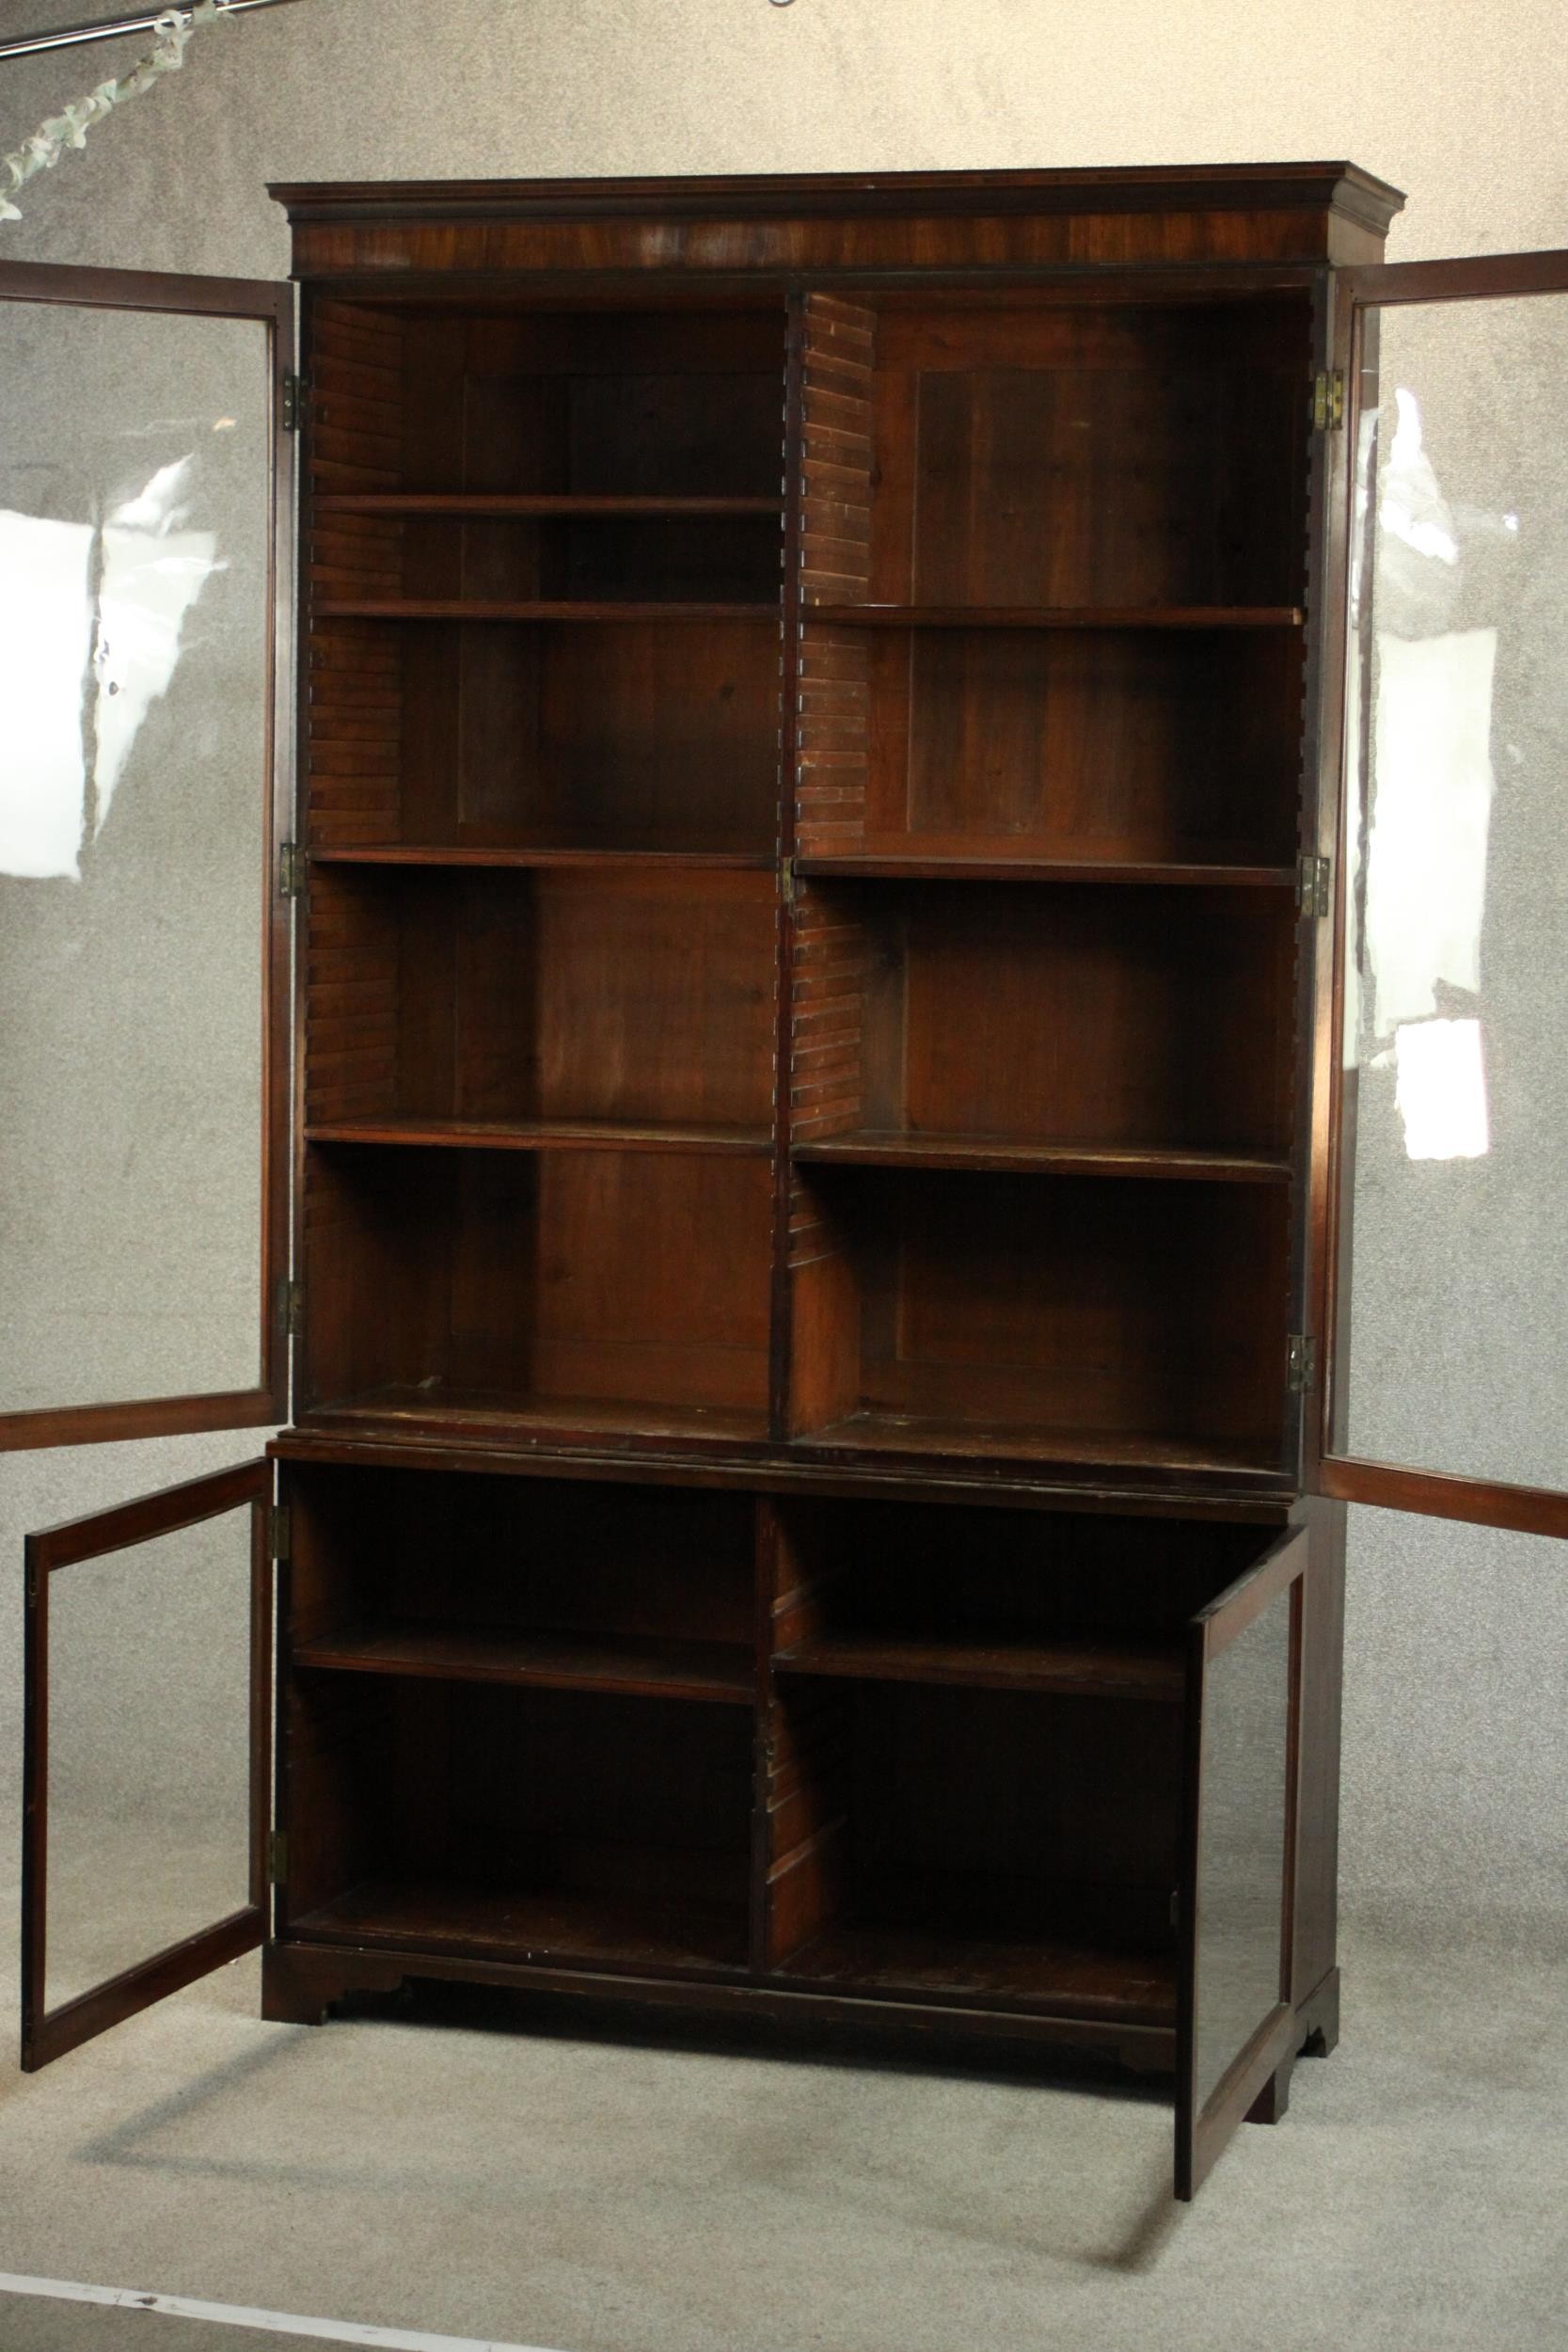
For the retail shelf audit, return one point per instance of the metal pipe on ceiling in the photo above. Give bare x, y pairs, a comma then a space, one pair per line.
73, 35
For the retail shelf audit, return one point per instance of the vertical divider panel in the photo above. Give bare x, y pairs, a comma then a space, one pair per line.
828, 970
835, 568
781, 1349
806, 1750
769, 1540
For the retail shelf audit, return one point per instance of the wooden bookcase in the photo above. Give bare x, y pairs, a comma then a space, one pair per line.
804, 802
819, 723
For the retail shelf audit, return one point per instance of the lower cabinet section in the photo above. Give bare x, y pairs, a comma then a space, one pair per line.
1022, 1770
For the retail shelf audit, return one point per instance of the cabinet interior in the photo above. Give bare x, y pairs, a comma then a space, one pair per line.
932, 1749
996, 796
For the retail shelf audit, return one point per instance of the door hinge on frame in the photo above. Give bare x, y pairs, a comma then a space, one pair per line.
291, 407
280, 1532
1312, 887
1328, 399
277, 1857
291, 869
1301, 1364
291, 1307
787, 877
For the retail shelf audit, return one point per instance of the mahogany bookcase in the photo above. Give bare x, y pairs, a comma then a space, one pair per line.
814, 1149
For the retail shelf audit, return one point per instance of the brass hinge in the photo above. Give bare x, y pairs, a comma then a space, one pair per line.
291, 1307
282, 1532
787, 876
1301, 1363
296, 393
277, 1857
291, 871
1328, 401
1312, 887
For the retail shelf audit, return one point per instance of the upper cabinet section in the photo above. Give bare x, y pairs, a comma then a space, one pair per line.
807, 785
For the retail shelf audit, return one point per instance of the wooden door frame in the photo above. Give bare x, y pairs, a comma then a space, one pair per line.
1203, 2129
48, 2034
270, 304
1364, 288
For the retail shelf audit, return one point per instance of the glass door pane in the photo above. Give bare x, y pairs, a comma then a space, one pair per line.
1235, 2018
147, 1737
142, 773
1453, 1276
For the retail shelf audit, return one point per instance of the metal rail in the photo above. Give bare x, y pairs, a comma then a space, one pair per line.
73, 35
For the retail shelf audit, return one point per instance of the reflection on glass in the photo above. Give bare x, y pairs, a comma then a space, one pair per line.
135, 680
148, 1750
1240, 1876
1456, 1034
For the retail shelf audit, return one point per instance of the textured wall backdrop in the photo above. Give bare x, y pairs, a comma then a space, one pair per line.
1456, 1783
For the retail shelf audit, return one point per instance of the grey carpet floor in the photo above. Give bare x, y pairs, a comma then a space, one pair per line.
639, 2195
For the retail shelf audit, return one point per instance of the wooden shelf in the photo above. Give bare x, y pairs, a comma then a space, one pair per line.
1055, 615
624, 1663
1086, 1449
543, 854
875, 1148
650, 1934
540, 1135
1091, 1670
535, 1420
475, 609
951, 857
500, 505
1058, 1972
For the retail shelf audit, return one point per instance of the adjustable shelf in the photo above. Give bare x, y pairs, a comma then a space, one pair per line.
1111, 616
873, 1148
524, 856
1073, 1669
552, 610
957, 857
713, 1672
501, 506
497, 1134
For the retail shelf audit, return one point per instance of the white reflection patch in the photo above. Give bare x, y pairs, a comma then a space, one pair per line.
150, 585
1411, 506
1426, 854
148, 573
1441, 1089
45, 630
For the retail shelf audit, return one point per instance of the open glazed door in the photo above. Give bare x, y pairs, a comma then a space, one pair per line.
147, 1769
146, 518
1235, 2019
1447, 1274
